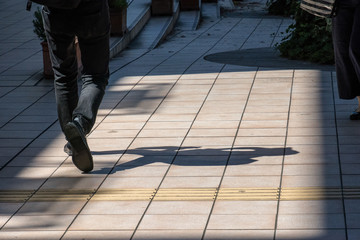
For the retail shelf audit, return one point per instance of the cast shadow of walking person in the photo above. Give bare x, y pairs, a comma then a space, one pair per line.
192, 156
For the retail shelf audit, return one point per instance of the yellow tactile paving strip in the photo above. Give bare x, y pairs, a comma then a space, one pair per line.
193, 194
124, 194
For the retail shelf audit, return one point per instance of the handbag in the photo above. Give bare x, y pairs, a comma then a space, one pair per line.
320, 8
60, 4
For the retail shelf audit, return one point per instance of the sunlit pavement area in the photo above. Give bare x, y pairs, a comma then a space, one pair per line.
184, 148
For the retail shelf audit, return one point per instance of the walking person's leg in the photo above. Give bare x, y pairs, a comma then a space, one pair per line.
63, 58
354, 47
347, 78
93, 32
90, 22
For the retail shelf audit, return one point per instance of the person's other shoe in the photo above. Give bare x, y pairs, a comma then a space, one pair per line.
68, 149
355, 116
81, 155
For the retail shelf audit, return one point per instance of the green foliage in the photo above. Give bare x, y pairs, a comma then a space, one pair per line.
118, 4
309, 38
38, 25
284, 8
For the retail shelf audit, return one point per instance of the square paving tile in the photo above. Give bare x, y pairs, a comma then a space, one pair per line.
309, 159
349, 149
96, 235
311, 124
236, 159
206, 132
155, 142
9, 208
314, 149
311, 207
27, 172
200, 160
351, 180
191, 182
4, 219
251, 182
80, 182
167, 125
264, 132
253, 170
31, 235
259, 141
353, 234
113, 133
133, 159
120, 126
352, 205
131, 182
194, 170
239, 234
241, 222
349, 158
208, 141
20, 183
95, 207
43, 152
264, 124
325, 234
14, 143
105, 222
163, 133
311, 221
39, 223
312, 132
108, 144
209, 124
139, 171
51, 208
311, 169
311, 181
264, 109
173, 222
219, 117
352, 220
265, 116
168, 234
180, 208
320, 140
245, 208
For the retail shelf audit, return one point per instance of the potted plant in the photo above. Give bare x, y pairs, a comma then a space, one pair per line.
118, 16
40, 32
162, 7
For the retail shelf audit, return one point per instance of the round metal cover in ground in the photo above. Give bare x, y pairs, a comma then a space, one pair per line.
263, 57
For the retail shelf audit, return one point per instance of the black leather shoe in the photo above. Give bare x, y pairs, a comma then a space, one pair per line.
355, 116
81, 155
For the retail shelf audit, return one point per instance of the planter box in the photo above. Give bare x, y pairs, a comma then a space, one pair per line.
118, 21
162, 7
48, 71
47, 66
190, 4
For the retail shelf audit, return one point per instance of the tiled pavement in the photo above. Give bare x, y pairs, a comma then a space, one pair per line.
183, 148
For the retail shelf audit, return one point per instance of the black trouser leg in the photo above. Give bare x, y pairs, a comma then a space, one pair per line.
346, 36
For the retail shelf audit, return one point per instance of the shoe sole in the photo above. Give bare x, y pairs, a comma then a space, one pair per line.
81, 155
